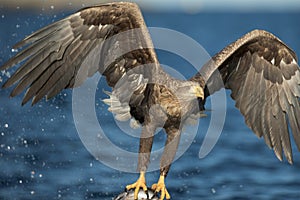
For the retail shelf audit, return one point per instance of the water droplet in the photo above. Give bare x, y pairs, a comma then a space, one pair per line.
32, 173
14, 50
6, 125
213, 190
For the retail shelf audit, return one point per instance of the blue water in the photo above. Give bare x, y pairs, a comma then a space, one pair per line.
42, 157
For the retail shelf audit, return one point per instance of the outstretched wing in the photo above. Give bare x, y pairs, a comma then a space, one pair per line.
110, 38
264, 78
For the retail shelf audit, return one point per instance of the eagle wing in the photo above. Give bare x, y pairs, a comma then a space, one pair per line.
264, 78
111, 39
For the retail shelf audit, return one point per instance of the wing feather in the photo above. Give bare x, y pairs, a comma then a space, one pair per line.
48, 54
264, 78
63, 54
41, 74
274, 133
39, 42
62, 71
42, 33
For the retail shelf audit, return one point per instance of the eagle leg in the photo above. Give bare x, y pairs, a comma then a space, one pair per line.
146, 142
168, 155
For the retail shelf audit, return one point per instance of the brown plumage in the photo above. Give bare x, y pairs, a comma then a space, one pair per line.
113, 39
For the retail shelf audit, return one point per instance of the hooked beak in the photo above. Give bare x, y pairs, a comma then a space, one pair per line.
199, 92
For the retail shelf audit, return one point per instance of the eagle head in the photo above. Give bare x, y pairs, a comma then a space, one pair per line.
190, 91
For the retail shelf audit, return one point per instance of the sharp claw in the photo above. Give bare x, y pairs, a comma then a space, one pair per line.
144, 188
168, 197
154, 186
160, 187
154, 195
146, 191
126, 189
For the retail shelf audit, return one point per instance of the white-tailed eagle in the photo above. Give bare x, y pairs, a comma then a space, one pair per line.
112, 39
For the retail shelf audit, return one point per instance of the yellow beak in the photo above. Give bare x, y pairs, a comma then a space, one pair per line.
199, 92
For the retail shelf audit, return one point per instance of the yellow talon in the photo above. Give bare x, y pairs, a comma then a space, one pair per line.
161, 187
140, 183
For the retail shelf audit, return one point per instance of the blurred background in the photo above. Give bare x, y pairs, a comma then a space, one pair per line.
42, 157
